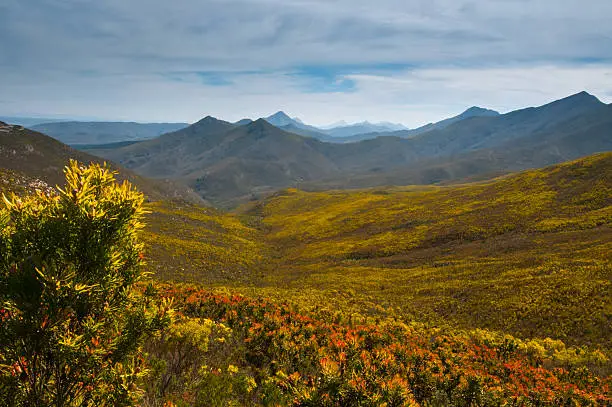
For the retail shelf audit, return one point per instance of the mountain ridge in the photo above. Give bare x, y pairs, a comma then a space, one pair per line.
227, 163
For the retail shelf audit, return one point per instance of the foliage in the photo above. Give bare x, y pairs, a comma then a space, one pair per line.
526, 254
287, 357
182, 240
178, 360
71, 326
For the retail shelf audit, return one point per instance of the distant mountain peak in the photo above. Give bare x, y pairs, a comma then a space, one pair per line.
281, 118
582, 97
207, 120
479, 111
279, 115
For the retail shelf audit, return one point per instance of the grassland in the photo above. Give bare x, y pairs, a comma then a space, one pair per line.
526, 254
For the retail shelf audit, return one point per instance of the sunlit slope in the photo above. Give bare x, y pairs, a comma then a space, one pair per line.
194, 243
527, 254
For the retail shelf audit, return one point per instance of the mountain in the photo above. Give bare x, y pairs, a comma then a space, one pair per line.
280, 119
362, 128
226, 163
479, 148
36, 156
484, 132
76, 133
28, 121
407, 133
473, 111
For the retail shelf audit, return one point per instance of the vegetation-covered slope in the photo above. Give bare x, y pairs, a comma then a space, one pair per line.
192, 243
349, 275
526, 254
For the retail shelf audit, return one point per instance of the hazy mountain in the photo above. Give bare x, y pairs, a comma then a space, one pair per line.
295, 125
307, 132
75, 133
362, 128
28, 121
243, 122
38, 156
407, 133
280, 119
226, 163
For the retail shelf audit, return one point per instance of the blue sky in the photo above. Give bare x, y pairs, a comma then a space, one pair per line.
408, 61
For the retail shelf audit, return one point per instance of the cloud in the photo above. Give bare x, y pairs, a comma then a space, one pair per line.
351, 58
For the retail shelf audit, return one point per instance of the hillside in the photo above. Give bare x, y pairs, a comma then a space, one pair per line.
443, 252
228, 164
76, 133
486, 293
526, 254
35, 156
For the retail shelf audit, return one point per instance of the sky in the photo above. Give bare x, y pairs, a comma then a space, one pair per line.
402, 61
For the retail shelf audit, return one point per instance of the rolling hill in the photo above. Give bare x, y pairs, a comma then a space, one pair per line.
526, 254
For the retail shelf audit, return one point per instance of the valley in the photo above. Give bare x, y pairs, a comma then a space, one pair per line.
443, 267
309, 203
505, 255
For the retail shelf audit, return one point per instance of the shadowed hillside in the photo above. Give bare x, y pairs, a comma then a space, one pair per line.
224, 162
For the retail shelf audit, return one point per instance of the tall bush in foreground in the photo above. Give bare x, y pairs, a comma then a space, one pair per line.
71, 326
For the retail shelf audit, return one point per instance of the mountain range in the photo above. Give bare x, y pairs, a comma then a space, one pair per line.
228, 163
91, 133
83, 133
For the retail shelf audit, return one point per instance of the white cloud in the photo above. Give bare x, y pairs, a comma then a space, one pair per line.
412, 97
117, 58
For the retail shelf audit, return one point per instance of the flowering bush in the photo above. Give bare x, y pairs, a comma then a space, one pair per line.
303, 360
71, 327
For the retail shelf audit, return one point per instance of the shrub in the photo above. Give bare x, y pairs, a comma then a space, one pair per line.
71, 325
